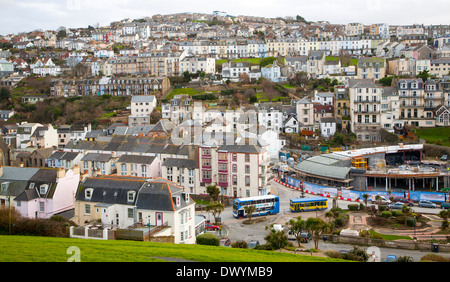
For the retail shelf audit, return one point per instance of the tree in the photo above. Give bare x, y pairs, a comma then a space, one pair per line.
277, 239
296, 228
249, 209
366, 197
444, 215
5, 94
316, 226
406, 211
213, 191
216, 209
425, 74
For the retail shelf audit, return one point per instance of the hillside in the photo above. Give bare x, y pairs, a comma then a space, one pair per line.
51, 249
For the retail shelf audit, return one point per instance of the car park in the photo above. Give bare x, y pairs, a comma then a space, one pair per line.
426, 204
396, 205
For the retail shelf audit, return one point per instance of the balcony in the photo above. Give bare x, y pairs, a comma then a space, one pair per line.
223, 184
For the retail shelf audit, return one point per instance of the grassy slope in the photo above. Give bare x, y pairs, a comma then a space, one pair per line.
434, 135
49, 249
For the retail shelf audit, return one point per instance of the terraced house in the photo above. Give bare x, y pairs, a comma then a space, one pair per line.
124, 201
115, 86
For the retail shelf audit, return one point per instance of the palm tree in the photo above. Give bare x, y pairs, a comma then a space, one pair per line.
406, 211
249, 209
216, 209
366, 197
378, 200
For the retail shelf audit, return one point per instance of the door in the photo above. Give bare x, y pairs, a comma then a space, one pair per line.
159, 218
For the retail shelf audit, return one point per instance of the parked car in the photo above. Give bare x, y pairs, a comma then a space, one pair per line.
291, 235
306, 237
404, 201
391, 258
209, 226
444, 157
225, 242
253, 244
445, 206
396, 205
427, 204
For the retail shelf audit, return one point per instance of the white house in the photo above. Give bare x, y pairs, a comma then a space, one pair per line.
142, 107
324, 98
124, 201
327, 127
271, 72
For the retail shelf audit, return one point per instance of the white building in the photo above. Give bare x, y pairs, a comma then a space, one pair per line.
142, 107
195, 64
327, 127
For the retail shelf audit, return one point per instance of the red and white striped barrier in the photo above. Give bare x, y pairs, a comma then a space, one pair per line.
312, 193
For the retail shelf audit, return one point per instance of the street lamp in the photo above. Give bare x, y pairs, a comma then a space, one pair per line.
149, 229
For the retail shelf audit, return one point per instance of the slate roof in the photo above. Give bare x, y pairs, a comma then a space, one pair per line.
136, 159
96, 157
186, 163
158, 194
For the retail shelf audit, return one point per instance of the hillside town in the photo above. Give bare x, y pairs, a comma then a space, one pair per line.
216, 100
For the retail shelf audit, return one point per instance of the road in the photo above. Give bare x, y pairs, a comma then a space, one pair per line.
236, 230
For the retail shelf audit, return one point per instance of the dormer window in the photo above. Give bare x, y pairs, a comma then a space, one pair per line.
177, 201
88, 193
5, 186
131, 195
43, 189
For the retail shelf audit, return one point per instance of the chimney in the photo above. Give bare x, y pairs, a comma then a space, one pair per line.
61, 173
76, 169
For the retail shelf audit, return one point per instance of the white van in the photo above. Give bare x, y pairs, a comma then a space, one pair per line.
383, 200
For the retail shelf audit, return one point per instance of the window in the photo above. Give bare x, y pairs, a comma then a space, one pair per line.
247, 180
247, 158
130, 213
87, 209
131, 195
43, 189
41, 206
247, 169
5, 186
88, 193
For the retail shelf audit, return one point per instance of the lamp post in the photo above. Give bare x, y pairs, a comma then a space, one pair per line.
149, 229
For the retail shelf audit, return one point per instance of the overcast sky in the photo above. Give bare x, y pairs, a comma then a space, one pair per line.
28, 15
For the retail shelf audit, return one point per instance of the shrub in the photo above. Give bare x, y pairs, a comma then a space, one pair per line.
334, 254
396, 213
434, 257
353, 207
208, 239
240, 244
410, 221
386, 214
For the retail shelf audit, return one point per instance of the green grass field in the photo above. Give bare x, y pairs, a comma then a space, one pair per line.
50, 249
253, 61
434, 135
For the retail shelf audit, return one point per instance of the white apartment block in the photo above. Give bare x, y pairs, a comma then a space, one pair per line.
198, 64
365, 109
237, 170
142, 107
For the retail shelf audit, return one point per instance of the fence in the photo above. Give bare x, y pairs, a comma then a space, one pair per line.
90, 233
408, 245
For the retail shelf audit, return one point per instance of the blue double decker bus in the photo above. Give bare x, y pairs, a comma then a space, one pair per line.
264, 205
